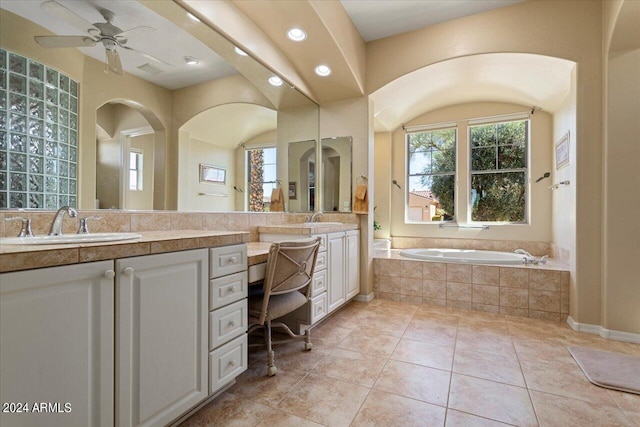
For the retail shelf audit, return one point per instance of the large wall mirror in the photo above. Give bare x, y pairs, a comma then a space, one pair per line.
336, 174
144, 136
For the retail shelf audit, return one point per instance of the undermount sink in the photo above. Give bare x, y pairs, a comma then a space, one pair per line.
320, 224
69, 239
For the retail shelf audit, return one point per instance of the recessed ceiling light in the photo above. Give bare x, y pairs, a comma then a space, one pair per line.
193, 17
190, 60
323, 70
296, 34
275, 81
240, 51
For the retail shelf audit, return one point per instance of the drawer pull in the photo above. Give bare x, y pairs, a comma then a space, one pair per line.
232, 260
232, 324
231, 364
128, 271
109, 274
231, 289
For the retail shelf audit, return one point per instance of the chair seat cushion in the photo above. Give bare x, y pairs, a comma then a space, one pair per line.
279, 305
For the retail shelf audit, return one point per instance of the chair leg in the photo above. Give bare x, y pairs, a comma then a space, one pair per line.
271, 369
307, 340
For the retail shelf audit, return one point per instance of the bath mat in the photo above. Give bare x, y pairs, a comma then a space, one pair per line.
607, 369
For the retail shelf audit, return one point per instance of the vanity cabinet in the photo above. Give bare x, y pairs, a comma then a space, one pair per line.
228, 316
161, 335
57, 345
343, 252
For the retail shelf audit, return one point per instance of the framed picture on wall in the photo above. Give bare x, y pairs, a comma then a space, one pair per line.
212, 174
293, 190
562, 152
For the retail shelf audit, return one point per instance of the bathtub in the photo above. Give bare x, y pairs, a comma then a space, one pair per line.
468, 256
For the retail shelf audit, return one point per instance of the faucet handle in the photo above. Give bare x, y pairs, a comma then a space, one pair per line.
25, 231
83, 228
543, 259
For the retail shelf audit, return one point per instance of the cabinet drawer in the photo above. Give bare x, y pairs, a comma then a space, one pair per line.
321, 261
319, 283
227, 323
227, 260
318, 307
227, 362
323, 242
228, 289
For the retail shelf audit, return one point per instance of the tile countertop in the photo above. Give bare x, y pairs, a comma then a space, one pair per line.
306, 229
25, 257
258, 252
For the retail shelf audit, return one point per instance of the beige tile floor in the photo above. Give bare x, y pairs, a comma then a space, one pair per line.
388, 363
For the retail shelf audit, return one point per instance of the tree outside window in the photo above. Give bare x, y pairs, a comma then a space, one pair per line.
499, 171
262, 178
432, 170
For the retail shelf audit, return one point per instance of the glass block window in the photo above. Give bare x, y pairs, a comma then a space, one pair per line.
38, 135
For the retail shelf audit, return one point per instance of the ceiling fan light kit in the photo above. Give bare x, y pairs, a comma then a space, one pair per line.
106, 33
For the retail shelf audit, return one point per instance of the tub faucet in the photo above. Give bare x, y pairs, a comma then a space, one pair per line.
56, 225
523, 252
314, 217
530, 259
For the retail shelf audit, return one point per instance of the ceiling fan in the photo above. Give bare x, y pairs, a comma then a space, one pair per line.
106, 33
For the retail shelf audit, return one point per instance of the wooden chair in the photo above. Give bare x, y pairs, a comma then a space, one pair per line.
287, 287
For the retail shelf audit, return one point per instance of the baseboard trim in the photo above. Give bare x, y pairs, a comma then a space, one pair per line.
603, 332
364, 298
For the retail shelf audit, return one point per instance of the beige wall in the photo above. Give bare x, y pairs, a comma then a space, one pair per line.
563, 233
382, 177
621, 232
197, 152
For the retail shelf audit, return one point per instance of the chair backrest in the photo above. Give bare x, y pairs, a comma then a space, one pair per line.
290, 267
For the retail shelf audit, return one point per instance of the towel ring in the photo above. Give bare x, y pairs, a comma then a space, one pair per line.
361, 179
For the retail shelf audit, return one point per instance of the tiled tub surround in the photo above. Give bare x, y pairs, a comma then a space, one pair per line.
540, 292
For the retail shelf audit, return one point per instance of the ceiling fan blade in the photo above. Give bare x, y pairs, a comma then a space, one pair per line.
113, 62
146, 55
126, 34
56, 9
65, 41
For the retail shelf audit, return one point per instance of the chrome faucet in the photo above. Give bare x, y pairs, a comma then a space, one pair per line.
83, 228
530, 259
56, 225
314, 217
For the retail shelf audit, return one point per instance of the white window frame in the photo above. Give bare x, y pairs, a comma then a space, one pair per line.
138, 170
428, 128
497, 120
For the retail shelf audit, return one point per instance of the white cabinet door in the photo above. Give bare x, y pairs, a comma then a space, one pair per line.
162, 336
352, 243
57, 345
335, 267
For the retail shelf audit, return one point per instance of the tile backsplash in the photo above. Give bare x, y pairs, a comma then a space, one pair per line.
115, 220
